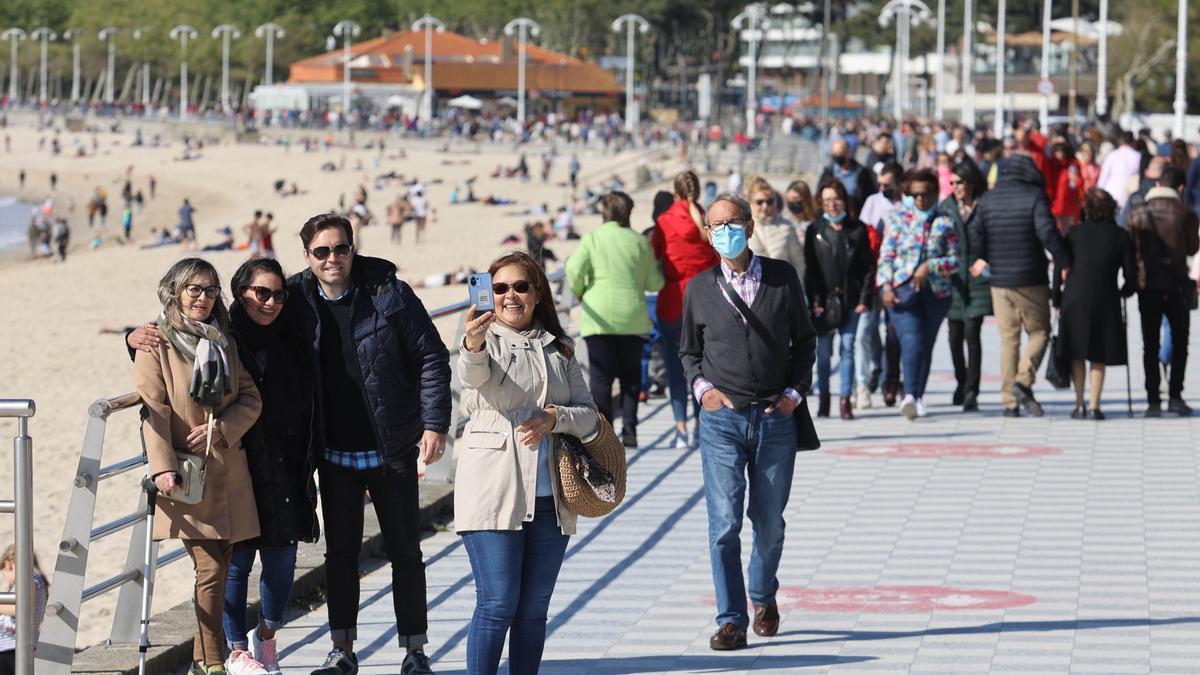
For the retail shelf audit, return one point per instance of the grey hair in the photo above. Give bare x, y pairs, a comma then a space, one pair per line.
178, 276
742, 205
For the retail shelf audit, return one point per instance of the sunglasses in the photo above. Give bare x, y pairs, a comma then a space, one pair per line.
921, 195
764, 202
322, 252
194, 291
262, 294
955, 183
501, 288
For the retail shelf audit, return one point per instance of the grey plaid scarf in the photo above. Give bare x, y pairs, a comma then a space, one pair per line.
205, 345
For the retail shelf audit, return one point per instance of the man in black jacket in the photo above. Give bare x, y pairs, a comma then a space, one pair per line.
748, 348
1013, 227
382, 386
858, 179
1164, 233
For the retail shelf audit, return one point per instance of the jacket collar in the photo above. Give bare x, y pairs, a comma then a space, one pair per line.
1162, 193
543, 336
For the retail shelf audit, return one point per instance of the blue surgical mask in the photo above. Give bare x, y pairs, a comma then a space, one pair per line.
911, 205
729, 242
835, 219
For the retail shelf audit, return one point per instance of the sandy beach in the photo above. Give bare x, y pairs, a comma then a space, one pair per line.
51, 347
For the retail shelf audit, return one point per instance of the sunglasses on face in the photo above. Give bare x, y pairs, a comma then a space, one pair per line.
921, 195
763, 202
501, 288
322, 252
955, 183
195, 290
262, 294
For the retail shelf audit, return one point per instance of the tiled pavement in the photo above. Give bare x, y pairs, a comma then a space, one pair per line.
1052, 546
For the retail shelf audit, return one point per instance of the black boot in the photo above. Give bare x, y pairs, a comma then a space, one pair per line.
823, 405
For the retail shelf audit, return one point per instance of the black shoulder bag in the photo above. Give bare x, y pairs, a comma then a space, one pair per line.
806, 431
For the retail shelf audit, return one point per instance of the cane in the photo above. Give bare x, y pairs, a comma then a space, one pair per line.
147, 569
1128, 364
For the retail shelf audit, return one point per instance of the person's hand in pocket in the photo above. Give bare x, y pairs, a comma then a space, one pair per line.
714, 399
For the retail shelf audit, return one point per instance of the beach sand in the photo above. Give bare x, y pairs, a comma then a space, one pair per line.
50, 345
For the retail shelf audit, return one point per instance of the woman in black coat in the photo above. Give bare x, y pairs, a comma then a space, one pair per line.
971, 300
839, 266
1090, 324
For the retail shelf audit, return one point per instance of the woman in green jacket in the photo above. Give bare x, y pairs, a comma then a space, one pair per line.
972, 296
611, 272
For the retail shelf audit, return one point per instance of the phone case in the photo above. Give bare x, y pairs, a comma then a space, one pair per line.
480, 288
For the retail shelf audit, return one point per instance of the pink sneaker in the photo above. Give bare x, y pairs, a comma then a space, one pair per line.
241, 663
265, 652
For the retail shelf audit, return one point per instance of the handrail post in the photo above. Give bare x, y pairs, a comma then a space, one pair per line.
23, 477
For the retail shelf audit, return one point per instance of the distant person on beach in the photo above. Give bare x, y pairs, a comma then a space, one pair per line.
21, 178
228, 244
397, 213
187, 227
127, 222
267, 231
153, 183
53, 182
62, 238
254, 234
420, 211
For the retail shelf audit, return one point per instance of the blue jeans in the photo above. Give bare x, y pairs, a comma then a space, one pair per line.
1164, 349
917, 323
868, 346
680, 393
845, 334
736, 445
515, 572
274, 588
653, 339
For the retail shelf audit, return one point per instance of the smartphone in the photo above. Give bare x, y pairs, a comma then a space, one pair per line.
480, 287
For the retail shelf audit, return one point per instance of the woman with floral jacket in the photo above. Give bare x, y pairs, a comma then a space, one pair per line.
919, 254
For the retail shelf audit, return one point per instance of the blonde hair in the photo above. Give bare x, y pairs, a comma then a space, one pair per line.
10, 556
687, 186
756, 184
178, 276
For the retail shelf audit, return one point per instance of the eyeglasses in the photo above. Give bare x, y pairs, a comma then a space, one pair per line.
322, 252
194, 291
735, 225
501, 288
262, 294
921, 195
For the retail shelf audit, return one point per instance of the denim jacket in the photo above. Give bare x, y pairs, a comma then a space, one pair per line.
906, 245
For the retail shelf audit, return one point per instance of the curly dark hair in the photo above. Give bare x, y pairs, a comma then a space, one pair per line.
1099, 206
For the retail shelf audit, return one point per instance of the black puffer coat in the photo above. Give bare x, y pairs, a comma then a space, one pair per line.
847, 273
1013, 227
404, 364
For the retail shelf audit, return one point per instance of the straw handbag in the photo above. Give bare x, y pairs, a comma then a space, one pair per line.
592, 475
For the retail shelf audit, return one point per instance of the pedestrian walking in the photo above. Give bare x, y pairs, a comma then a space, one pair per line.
775, 237
971, 297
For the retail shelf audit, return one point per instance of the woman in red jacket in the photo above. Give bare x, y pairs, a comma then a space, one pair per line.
683, 249
1062, 186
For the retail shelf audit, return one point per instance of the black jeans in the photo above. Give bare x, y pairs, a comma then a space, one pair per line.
966, 369
8, 662
616, 357
891, 352
395, 497
1154, 305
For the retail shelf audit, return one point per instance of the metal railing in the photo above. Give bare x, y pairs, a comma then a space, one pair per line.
56, 649
21, 506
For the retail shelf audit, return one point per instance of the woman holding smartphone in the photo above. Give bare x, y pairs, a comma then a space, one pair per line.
521, 386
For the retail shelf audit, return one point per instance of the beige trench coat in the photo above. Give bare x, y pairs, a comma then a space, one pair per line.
496, 479
227, 511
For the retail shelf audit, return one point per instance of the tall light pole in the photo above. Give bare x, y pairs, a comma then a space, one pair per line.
1102, 65
521, 25
15, 35
271, 31
633, 23
45, 35
1044, 105
939, 110
754, 19
109, 35
905, 13
137, 35
347, 30
428, 23
73, 36
968, 65
823, 80
225, 31
1181, 70
998, 121
183, 33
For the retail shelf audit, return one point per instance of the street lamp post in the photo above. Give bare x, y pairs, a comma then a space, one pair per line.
939, 109
1181, 70
225, 31
968, 66
73, 36
271, 31
1044, 105
633, 23
109, 35
520, 25
1102, 65
753, 17
905, 13
45, 35
14, 35
998, 117
137, 35
428, 23
183, 33
347, 30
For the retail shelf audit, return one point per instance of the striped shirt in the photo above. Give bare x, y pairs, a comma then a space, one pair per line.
8, 624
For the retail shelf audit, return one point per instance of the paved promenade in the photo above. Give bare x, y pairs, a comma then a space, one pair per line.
957, 543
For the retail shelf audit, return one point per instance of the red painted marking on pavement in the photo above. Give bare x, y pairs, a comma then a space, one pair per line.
885, 599
939, 450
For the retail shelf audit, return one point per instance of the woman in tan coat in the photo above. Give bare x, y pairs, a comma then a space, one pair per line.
521, 386
774, 235
200, 399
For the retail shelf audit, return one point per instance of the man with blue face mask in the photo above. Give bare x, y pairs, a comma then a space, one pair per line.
747, 346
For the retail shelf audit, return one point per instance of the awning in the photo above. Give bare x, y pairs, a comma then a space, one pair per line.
466, 102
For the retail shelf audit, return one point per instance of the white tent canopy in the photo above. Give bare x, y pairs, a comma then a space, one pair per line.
466, 102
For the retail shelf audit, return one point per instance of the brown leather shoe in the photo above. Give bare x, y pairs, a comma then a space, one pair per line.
766, 620
847, 410
727, 638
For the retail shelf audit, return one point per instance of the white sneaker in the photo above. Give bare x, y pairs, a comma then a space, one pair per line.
921, 411
681, 440
241, 663
265, 652
908, 407
862, 399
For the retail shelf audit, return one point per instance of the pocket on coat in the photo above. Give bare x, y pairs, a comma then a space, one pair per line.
485, 440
